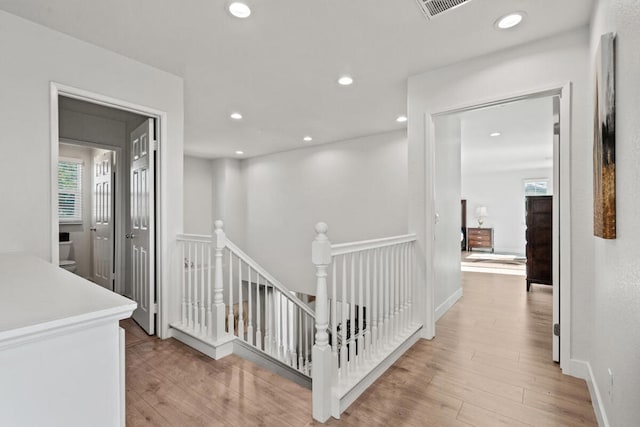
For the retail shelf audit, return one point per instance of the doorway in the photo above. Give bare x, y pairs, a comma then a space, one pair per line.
116, 153
496, 228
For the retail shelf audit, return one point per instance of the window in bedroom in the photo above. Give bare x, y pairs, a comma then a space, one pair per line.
70, 191
536, 187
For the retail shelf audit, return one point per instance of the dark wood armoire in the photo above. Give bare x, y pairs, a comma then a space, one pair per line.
539, 236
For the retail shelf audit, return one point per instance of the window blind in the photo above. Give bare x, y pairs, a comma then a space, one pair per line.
70, 190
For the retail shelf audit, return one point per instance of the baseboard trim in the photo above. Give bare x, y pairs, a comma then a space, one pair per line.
582, 369
203, 345
253, 355
448, 303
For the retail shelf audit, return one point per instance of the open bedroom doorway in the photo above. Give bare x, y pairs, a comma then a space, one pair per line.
497, 171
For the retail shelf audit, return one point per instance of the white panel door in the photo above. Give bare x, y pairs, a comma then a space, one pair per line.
142, 231
102, 227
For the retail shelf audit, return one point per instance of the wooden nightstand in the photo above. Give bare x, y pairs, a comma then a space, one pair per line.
480, 238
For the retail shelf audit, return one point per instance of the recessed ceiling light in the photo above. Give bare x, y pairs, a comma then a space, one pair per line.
495, 134
510, 20
239, 152
345, 80
239, 10
307, 139
401, 119
236, 116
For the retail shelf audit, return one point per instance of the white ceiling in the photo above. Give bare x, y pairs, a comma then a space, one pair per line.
525, 141
279, 67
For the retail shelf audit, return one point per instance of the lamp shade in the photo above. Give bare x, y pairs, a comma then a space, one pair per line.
481, 211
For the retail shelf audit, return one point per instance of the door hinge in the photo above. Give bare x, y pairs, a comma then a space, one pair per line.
556, 329
155, 308
155, 145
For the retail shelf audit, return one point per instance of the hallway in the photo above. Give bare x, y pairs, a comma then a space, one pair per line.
489, 365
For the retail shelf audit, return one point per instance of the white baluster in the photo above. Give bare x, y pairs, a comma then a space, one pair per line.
267, 318
387, 296
352, 315
299, 318
240, 302
401, 288
220, 241
185, 265
344, 351
360, 342
367, 316
281, 343
203, 324
196, 318
334, 317
230, 318
307, 346
189, 301
406, 285
322, 362
249, 308
411, 281
392, 293
374, 305
258, 320
209, 293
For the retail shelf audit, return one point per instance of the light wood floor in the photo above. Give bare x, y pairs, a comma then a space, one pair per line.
489, 365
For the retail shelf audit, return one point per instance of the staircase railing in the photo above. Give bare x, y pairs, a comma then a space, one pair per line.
364, 318
228, 295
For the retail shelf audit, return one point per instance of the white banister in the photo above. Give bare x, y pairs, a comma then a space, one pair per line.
365, 305
322, 369
216, 304
220, 241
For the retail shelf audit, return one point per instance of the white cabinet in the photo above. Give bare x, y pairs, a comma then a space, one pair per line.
61, 350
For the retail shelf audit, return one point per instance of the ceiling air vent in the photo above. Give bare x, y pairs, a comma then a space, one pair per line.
432, 8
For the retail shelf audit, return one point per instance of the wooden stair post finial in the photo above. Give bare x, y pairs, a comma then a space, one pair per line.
322, 362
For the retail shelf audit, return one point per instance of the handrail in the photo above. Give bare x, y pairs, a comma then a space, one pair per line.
276, 284
364, 245
200, 238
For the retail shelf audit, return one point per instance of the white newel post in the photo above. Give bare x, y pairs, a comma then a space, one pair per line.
321, 356
218, 329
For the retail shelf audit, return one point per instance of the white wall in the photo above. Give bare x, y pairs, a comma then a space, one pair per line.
198, 195
358, 187
446, 259
28, 66
230, 198
545, 63
502, 193
615, 335
91, 128
80, 234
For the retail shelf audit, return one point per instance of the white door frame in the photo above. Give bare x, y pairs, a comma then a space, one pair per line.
162, 255
118, 214
562, 186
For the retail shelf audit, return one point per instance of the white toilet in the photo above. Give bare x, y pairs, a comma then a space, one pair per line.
64, 261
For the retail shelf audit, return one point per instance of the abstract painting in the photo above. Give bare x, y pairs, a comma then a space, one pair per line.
604, 141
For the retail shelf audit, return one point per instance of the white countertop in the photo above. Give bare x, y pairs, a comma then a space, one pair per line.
36, 297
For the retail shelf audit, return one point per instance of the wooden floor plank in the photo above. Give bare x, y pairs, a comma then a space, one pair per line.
489, 365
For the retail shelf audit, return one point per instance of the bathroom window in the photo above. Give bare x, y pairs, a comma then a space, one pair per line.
70, 191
